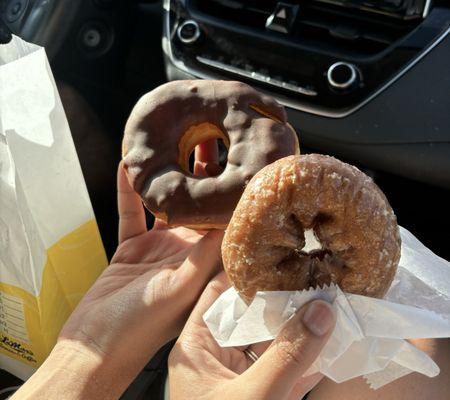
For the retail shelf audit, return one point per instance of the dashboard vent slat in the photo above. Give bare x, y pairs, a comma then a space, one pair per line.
318, 23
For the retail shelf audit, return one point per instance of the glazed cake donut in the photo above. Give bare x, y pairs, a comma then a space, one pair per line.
350, 216
166, 125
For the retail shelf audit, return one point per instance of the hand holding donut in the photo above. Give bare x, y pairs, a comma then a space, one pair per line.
199, 368
138, 304
162, 268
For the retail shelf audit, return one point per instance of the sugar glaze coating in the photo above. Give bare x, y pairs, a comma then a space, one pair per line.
350, 216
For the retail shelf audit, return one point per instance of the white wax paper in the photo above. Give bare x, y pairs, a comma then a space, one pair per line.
370, 335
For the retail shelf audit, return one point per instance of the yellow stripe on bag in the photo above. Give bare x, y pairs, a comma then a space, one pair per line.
29, 325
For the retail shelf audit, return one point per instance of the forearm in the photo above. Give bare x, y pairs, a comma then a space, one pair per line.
412, 386
73, 372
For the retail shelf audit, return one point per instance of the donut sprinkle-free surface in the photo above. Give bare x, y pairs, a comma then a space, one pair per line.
350, 216
166, 125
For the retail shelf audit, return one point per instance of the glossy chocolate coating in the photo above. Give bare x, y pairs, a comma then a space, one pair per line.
158, 123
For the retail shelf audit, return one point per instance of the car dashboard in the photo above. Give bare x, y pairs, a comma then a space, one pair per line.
367, 83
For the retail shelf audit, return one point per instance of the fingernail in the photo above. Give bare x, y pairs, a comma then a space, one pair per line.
319, 318
200, 164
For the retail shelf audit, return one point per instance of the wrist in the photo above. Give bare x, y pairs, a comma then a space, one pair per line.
75, 371
121, 350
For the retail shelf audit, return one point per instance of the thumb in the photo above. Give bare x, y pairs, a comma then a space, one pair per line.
281, 367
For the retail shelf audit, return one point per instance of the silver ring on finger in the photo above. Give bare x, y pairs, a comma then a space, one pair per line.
252, 356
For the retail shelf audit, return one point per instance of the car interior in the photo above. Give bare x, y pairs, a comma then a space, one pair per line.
365, 81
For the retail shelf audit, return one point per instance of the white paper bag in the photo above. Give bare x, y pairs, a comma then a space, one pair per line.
50, 247
369, 337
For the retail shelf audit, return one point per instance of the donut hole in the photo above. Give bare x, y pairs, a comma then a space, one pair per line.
293, 232
200, 134
296, 230
326, 266
312, 265
215, 169
223, 153
312, 242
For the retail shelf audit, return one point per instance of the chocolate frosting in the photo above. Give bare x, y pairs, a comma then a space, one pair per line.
254, 124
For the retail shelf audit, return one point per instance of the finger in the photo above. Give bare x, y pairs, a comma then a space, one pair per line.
131, 211
281, 367
159, 224
257, 349
207, 169
215, 287
305, 385
207, 159
207, 152
192, 365
202, 264
260, 348
200, 168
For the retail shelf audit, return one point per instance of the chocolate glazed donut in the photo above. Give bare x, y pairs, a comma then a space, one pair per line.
350, 216
166, 125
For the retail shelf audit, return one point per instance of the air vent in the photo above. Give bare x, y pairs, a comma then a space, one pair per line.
251, 13
353, 31
320, 24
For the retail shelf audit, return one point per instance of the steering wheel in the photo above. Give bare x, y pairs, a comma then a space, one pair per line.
44, 22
